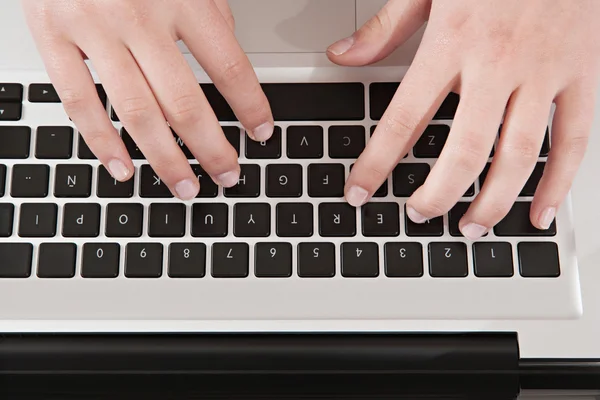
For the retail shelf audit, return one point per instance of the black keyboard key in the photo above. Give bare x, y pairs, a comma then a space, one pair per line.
316, 260
448, 260
273, 260
113, 115
294, 219
210, 220
539, 260
248, 184
302, 101
43, 93
470, 192
252, 220
380, 219
187, 260
381, 94
132, 148
151, 185
337, 219
7, 212
16, 260
493, 260
326, 180
11, 93
518, 223
102, 94
432, 227
305, 142
81, 220
30, 181
2, 179
11, 111
14, 142
454, 217
73, 181
108, 187
271, 149
409, 177
124, 220
167, 220
101, 260
403, 260
546, 145
83, 150
284, 180
360, 260
230, 260
54, 143
144, 260
532, 183
38, 220
232, 134
208, 188
432, 142
383, 189
57, 260
346, 141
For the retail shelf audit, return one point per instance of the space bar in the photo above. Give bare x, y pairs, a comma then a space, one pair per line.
302, 101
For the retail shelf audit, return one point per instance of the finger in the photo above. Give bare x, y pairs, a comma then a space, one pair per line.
140, 114
466, 151
571, 129
516, 156
185, 106
393, 25
419, 96
214, 45
75, 86
225, 10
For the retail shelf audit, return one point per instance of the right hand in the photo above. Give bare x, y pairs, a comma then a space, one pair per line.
132, 46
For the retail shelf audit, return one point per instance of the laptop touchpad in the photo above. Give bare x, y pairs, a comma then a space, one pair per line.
292, 26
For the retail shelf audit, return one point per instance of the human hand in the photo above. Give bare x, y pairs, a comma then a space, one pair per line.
513, 55
132, 46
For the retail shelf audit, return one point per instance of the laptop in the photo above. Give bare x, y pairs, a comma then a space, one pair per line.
90, 285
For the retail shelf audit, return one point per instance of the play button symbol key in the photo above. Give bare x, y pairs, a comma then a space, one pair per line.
43, 93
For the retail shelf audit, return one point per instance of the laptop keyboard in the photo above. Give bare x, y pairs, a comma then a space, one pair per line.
64, 222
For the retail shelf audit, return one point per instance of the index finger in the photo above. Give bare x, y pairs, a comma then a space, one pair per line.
419, 96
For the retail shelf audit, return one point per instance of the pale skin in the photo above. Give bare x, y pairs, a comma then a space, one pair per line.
511, 58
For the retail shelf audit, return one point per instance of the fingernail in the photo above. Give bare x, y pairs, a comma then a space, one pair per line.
263, 132
415, 216
187, 189
118, 169
229, 179
474, 231
341, 47
547, 217
357, 196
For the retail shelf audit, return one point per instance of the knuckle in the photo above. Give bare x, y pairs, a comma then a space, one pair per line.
431, 204
233, 71
97, 141
401, 123
380, 23
523, 152
185, 109
372, 176
575, 147
134, 110
73, 101
469, 154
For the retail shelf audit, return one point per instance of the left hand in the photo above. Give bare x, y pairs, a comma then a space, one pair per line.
513, 55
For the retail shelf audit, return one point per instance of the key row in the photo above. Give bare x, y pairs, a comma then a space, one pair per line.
122, 220
303, 142
274, 260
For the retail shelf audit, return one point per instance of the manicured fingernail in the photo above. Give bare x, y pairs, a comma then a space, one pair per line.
473, 231
357, 196
415, 216
229, 179
342, 46
187, 189
263, 132
547, 217
118, 169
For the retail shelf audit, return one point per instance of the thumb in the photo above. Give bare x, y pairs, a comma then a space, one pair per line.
393, 25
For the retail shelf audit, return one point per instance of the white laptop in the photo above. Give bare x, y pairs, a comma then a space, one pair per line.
63, 276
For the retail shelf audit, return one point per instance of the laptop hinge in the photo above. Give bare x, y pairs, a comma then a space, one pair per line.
388, 363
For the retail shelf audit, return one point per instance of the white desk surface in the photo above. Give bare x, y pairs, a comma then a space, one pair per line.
538, 339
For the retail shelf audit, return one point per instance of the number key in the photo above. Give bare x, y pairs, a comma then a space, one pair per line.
100, 260
448, 260
316, 260
230, 260
273, 260
143, 260
187, 260
360, 260
403, 260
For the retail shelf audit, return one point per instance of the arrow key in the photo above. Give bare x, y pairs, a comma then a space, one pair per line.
43, 93
11, 93
10, 111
